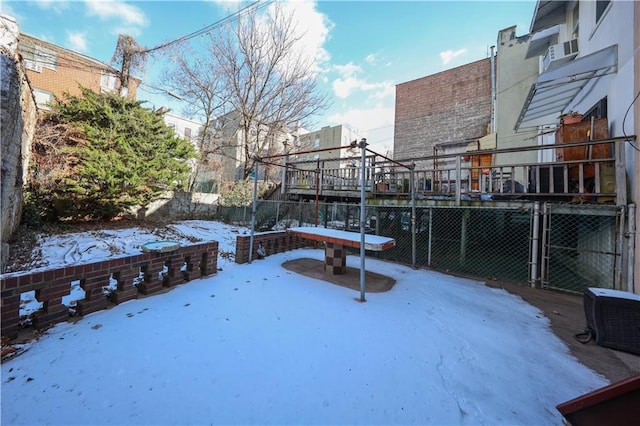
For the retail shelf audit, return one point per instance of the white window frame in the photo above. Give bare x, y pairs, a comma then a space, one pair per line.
108, 82
43, 98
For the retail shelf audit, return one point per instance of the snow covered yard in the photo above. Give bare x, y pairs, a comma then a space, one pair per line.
258, 344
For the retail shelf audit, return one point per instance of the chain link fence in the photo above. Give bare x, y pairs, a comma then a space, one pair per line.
581, 247
578, 249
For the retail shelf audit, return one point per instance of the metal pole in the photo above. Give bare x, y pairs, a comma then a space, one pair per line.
253, 208
458, 181
413, 214
363, 145
535, 243
430, 238
617, 275
544, 250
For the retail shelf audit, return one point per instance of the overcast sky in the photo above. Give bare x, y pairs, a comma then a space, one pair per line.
362, 48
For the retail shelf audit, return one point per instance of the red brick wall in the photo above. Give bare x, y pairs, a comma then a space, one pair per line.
273, 242
72, 70
52, 285
452, 105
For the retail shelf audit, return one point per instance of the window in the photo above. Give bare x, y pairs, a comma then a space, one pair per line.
187, 133
43, 99
599, 110
601, 7
316, 142
37, 57
108, 82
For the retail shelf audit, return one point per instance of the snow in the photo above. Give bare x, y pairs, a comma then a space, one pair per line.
258, 344
372, 242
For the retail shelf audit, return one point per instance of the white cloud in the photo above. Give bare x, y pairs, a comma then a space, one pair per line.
375, 124
448, 55
349, 82
371, 59
313, 27
228, 5
8, 10
344, 86
128, 14
77, 41
56, 6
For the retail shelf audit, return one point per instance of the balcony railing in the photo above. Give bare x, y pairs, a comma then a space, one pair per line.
458, 177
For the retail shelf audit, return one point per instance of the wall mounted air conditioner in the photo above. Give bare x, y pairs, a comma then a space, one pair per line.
560, 54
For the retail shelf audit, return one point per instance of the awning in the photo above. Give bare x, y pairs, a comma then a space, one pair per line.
485, 142
554, 90
547, 14
541, 41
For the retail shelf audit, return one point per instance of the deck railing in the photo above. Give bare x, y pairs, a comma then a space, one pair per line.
461, 177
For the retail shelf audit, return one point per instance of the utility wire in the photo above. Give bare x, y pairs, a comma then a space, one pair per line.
625, 118
256, 5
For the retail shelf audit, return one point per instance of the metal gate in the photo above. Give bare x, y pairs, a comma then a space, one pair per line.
581, 247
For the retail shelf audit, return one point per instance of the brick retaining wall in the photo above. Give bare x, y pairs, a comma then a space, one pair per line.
273, 242
51, 285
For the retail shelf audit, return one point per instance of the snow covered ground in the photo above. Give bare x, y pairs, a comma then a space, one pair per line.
258, 344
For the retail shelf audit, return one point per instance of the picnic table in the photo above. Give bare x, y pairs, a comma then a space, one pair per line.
336, 240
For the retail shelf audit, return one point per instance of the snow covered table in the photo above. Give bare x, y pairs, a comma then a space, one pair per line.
336, 240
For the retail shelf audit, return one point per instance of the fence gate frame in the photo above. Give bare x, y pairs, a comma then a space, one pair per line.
549, 242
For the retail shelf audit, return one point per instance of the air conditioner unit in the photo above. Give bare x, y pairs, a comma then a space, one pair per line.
613, 318
560, 54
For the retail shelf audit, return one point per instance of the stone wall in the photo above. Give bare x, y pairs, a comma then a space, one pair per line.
181, 205
18, 116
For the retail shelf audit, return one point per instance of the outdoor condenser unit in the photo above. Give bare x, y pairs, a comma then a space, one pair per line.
613, 317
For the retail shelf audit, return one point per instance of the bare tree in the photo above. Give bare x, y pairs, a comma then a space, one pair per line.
198, 81
256, 76
130, 56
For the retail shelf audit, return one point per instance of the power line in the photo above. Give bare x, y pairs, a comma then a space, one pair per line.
251, 7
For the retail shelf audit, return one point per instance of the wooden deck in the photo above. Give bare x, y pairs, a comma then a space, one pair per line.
457, 179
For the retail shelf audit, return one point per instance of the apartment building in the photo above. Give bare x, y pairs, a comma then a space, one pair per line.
53, 71
323, 140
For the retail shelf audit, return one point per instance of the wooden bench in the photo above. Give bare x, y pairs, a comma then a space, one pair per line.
336, 240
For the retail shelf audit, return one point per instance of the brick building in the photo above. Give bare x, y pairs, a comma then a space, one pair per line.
451, 107
53, 71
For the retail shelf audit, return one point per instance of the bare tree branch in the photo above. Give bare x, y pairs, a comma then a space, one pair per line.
254, 81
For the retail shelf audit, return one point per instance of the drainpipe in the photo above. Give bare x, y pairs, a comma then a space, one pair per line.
493, 90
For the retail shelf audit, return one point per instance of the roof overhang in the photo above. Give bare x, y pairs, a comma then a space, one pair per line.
554, 90
547, 14
541, 41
